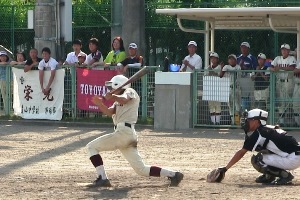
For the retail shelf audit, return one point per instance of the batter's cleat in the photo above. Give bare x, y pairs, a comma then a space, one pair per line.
175, 180
99, 182
265, 178
283, 181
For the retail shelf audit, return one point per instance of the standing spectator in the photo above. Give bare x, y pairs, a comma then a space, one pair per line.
81, 59
21, 59
32, 61
214, 106
285, 84
261, 83
116, 55
4, 60
192, 61
133, 62
48, 63
72, 57
247, 62
228, 71
95, 55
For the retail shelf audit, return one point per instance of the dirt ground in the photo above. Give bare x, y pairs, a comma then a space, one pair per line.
51, 162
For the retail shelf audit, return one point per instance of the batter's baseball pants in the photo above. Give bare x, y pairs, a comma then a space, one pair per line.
125, 139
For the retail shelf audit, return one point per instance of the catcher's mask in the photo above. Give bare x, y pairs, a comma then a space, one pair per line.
258, 114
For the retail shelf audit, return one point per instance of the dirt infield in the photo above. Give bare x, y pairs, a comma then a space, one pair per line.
40, 162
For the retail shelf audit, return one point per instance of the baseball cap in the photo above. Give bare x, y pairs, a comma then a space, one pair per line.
246, 44
232, 56
261, 55
133, 45
3, 53
81, 54
258, 114
214, 54
285, 46
192, 43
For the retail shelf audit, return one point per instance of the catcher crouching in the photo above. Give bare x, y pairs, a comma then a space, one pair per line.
277, 152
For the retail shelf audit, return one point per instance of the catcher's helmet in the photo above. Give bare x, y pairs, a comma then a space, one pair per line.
116, 82
259, 114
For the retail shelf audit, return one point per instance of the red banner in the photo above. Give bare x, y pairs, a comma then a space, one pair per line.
91, 83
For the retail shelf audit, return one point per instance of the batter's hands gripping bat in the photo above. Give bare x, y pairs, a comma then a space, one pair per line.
133, 78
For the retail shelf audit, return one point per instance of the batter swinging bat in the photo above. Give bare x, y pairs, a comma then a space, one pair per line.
134, 77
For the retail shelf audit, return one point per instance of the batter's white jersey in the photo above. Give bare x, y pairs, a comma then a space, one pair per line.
284, 62
128, 112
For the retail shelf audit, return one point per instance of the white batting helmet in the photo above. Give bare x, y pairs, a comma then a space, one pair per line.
117, 81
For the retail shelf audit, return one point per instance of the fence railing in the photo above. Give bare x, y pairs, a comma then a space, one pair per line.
145, 88
277, 92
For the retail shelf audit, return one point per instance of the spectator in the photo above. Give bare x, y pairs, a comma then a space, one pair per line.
72, 57
116, 55
4, 60
95, 55
21, 59
32, 61
296, 95
214, 106
192, 61
133, 62
47, 63
234, 85
247, 62
261, 83
285, 85
81, 59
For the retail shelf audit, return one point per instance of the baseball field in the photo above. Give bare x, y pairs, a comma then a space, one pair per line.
51, 162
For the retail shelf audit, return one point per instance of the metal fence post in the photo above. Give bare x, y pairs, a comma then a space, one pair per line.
8, 90
194, 97
73, 91
144, 96
272, 97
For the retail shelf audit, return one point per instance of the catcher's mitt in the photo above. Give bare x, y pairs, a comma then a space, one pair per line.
216, 175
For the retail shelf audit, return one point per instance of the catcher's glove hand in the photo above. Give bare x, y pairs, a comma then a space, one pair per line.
216, 175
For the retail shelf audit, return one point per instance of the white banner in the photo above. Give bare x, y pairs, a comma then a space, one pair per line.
216, 89
30, 102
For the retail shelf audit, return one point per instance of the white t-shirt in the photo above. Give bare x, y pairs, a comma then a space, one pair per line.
50, 65
217, 70
72, 58
284, 62
194, 60
91, 56
228, 69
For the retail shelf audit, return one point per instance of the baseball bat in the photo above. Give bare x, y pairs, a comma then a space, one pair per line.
139, 74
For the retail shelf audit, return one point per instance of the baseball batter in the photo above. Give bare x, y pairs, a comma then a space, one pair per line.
124, 112
278, 152
214, 106
285, 82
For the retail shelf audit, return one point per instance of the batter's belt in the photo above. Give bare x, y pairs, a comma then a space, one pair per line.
124, 124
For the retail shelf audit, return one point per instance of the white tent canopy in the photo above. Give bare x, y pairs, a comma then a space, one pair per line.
279, 19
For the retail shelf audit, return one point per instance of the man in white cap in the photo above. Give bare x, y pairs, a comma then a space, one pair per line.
261, 83
247, 62
285, 83
193, 60
277, 152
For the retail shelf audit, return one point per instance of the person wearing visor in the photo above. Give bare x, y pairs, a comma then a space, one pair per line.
277, 152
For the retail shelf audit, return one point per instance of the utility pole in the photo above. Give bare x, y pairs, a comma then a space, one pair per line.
45, 26
133, 28
116, 18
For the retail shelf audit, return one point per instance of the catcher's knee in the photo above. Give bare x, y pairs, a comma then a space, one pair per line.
258, 164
